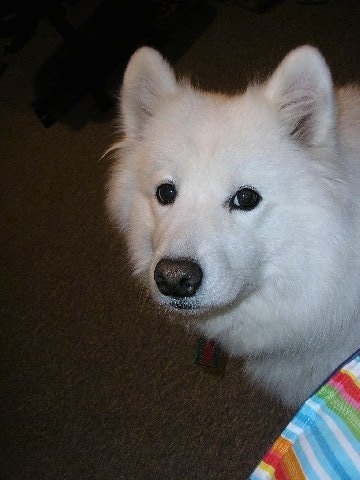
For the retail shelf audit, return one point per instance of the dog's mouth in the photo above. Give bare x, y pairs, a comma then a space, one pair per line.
178, 285
183, 304
188, 306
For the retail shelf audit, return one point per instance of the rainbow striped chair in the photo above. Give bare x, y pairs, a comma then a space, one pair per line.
322, 442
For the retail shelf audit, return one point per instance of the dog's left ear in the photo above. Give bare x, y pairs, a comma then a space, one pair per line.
148, 82
301, 90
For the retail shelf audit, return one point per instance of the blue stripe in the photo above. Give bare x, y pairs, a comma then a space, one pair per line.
304, 423
335, 446
309, 435
331, 454
306, 419
345, 430
289, 434
307, 469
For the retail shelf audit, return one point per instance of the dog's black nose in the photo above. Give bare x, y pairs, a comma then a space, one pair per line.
177, 277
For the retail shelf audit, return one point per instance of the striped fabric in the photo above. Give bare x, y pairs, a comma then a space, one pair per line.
322, 442
207, 353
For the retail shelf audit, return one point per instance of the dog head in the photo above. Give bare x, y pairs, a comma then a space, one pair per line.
219, 195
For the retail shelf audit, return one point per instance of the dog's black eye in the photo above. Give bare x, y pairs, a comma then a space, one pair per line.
166, 193
245, 198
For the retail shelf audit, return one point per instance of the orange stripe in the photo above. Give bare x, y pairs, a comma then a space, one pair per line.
292, 467
281, 446
282, 451
273, 456
273, 459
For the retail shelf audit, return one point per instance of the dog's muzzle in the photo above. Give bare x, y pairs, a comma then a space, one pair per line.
178, 278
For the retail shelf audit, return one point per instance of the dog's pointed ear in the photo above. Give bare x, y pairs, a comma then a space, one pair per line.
148, 80
301, 90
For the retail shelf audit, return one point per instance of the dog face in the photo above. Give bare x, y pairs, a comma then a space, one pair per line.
219, 196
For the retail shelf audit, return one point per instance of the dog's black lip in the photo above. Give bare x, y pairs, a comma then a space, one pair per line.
180, 304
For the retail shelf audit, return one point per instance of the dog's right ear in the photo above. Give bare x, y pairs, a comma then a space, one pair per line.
301, 90
148, 80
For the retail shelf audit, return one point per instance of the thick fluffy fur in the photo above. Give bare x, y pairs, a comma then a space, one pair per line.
281, 283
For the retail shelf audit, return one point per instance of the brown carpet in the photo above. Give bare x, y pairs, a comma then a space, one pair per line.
95, 382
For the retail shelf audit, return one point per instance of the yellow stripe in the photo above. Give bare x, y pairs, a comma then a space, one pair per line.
268, 469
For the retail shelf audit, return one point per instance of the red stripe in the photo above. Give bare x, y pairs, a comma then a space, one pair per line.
208, 353
280, 473
346, 387
272, 459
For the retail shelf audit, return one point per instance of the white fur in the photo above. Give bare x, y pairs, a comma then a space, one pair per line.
281, 283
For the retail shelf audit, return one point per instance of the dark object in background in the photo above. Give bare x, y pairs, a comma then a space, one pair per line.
258, 6
93, 54
90, 53
312, 2
19, 19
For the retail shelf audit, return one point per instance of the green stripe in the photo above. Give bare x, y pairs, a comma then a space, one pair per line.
199, 349
335, 402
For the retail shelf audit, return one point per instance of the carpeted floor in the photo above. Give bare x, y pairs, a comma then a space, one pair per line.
95, 382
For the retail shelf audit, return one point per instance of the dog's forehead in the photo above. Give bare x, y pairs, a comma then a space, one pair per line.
200, 130
209, 121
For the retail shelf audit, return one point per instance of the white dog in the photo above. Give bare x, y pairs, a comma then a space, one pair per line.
243, 212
